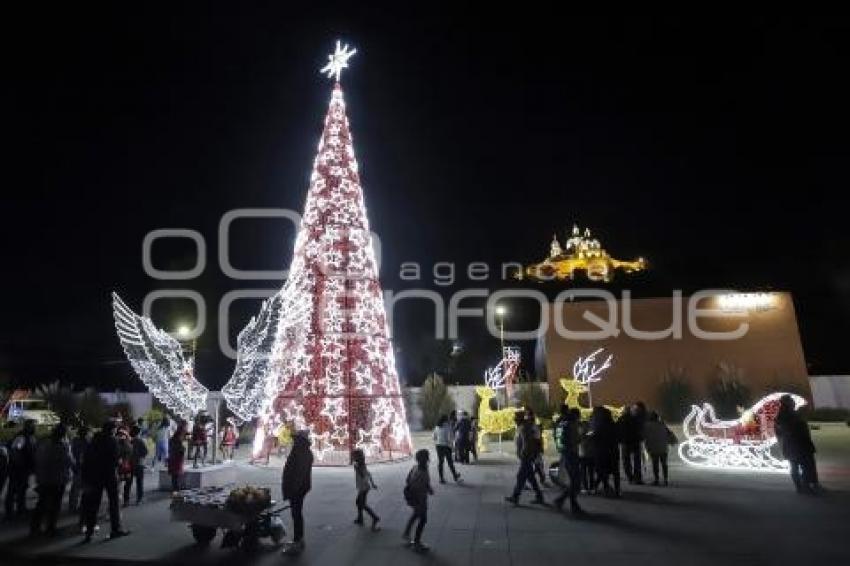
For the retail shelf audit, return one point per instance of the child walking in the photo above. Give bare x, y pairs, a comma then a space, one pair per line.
416, 491
364, 482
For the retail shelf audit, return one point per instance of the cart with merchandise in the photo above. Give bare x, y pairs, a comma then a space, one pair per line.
244, 514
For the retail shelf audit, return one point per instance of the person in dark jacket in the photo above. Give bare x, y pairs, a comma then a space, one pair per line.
177, 456
529, 445
21, 467
295, 484
100, 472
797, 446
78, 449
138, 453
463, 430
52, 471
417, 488
568, 435
603, 438
630, 427
4, 466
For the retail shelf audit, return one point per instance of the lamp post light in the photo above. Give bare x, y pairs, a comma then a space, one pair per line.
500, 312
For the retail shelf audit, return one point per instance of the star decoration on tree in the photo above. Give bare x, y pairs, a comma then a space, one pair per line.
367, 441
338, 61
334, 408
321, 444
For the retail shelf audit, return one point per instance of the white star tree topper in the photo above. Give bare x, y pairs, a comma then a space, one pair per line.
338, 61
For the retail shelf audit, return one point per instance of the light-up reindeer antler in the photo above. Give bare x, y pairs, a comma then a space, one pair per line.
586, 371
504, 373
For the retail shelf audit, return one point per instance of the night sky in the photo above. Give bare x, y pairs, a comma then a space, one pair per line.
714, 145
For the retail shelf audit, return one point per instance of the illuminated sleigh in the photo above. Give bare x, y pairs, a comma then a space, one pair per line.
741, 444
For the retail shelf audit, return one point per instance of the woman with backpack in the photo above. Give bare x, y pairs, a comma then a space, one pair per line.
417, 488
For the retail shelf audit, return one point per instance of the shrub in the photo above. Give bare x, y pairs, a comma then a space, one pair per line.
92, 409
61, 400
727, 391
153, 417
434, 400
531, 395
675, 395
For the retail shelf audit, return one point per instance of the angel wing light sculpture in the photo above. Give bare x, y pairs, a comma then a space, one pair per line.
261, 347
157, 357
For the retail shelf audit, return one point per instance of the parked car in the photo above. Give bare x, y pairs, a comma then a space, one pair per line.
36, 409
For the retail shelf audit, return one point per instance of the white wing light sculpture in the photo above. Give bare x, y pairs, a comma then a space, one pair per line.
158, 360
741, 444
261, 345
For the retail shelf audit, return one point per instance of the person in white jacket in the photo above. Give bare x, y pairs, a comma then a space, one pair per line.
363, 482
443, 442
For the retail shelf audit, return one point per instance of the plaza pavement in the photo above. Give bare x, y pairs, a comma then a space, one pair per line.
704, 517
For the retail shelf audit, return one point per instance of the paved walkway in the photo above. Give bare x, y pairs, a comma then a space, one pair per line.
704, 517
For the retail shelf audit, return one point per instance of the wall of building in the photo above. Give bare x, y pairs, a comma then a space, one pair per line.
830, 390
769, 353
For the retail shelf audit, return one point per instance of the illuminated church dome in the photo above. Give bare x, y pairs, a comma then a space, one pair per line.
581, 253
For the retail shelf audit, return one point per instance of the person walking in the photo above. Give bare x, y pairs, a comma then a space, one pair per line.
138, 453
199, 441
539, 462
100, 473
295, 484
630, 427
797, 446
4, 466
529, 445
568, 435
657, 438
161, 437
443, 444
603, 437
586, 457
52, 472
125, 466
228, 441
21, 466
177, 456
473, 438
462, 435
453, 434
363, 481
417, 488
78, 449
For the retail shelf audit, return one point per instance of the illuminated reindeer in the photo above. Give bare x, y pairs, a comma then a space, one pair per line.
497, 421
585, 372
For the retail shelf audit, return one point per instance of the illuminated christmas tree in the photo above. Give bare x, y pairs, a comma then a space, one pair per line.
317, 357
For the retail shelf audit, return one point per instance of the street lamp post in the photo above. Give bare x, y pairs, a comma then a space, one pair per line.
500, 312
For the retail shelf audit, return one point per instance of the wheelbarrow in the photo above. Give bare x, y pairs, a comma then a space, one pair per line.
240, 530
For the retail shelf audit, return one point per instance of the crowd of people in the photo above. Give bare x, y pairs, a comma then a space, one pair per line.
591, 454
114, 460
